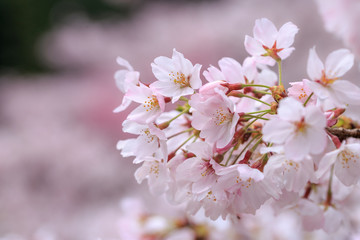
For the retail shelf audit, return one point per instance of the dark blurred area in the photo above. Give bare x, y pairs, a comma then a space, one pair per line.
23, 22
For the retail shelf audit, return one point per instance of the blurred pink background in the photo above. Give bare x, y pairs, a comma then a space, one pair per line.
61, 176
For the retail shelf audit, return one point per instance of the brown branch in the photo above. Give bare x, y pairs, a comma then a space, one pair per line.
343, 133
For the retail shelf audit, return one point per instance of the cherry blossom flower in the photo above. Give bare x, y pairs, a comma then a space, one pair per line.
269, 44
215, 117
152, 104
290, 175
326, 79
301, 92
199, 169
246, 187
230, 71
177, 76
346, 160
124, 79
299, 128
150, 140
155, 171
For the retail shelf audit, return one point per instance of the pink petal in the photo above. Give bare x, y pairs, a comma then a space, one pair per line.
338, 63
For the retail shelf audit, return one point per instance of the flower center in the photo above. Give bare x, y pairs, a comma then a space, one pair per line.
148, 136
151, 103
346, 157
208, 169
211, 196
324, 80
302, 95
221, 116
180, 79
154, 169
288, 165
300, 126
272, 52
244, 183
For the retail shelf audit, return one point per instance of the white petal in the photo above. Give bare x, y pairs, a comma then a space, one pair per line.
213, 74
314, 65
333, 220
277, 130
120, 79
318, 140
315, 118
160, 73
286, 35
347, 166
297, 147
133, 127
253, 46
319, 90
326, 162
347, 92
285, 53
265, 31
195, 81
290, 110
232, 70
124, 63
338, 63
201, 150
124, 105
165, 63
181, 63
249, 69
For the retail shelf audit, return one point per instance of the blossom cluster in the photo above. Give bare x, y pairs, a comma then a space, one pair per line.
241, 139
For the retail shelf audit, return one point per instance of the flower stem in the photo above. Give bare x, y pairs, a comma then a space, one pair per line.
279, 69
249, 124
247, 145
256, 99
186, 109
262, 92
261, 111
256, 144
184, 143
329, 192
179, 133
257, 117
307, 100
230, 155
254, 85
